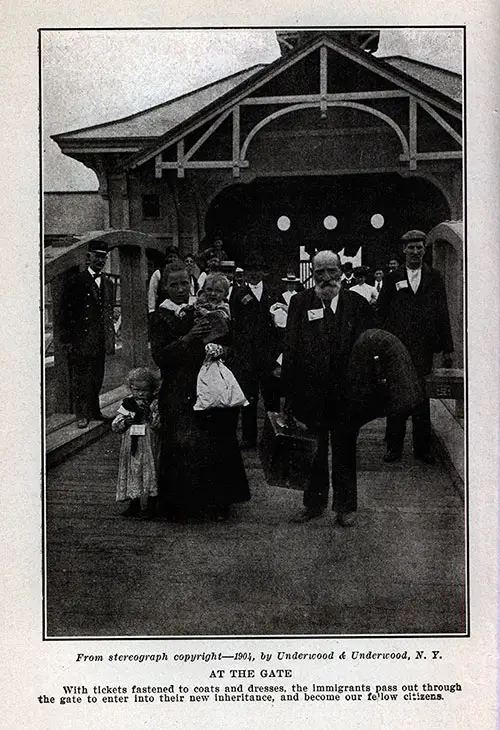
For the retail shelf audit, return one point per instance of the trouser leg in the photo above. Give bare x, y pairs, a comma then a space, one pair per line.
81, 387
96, 379
269, 387
421, 419
395, 432
344, 481
316, 492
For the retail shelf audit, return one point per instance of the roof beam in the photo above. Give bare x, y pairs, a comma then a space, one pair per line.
201, 165
449, 155
80, 149
207, 134
312, 98
439, 119
323, 80
349, 104
240, 96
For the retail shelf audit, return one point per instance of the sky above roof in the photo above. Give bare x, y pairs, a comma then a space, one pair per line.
90, 77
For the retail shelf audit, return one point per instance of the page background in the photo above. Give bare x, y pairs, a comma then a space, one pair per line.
32, 667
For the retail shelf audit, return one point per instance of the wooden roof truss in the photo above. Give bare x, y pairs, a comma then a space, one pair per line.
323, 101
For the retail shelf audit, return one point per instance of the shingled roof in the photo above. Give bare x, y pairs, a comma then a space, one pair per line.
159, 122
160, 119
447, 82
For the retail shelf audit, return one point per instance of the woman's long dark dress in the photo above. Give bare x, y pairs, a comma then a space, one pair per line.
200, 461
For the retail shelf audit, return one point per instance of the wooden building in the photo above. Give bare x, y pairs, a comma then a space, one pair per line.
328, 131
326, 147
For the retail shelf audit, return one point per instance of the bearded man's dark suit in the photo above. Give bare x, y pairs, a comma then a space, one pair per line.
86, 319
254, 354
421, 321
316, 354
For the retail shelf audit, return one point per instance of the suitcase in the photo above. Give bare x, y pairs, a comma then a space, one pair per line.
286, 453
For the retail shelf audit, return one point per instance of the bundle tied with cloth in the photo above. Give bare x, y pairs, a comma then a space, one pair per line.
216, 386
381, 377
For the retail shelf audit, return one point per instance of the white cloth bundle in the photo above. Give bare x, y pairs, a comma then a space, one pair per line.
216, 386
279, 313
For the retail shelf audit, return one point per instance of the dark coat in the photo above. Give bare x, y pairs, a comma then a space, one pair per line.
86, 315
420, 320
315, 363
255, 344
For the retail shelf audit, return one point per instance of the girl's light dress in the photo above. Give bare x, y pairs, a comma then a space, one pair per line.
138, 464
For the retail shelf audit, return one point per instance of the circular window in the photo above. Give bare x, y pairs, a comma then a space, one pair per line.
283, 223
330, 222
377, 220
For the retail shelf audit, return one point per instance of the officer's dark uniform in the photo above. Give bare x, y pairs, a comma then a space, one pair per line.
86, 320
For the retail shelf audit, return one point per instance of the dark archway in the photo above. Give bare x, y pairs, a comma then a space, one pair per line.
245, 216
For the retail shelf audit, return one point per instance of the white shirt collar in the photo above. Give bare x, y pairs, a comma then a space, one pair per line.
178, 309
287, 295
333, 303
96, 277
414, 277
257, 289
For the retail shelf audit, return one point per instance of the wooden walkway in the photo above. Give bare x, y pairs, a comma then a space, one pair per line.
399, 570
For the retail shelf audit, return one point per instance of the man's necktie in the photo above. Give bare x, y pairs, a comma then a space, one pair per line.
329, 319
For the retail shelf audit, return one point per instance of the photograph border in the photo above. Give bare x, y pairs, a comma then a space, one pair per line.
45, 637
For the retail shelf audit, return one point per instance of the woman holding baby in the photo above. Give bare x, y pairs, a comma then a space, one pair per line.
201, 470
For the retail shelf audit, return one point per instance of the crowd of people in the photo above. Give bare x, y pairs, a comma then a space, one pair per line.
287, 344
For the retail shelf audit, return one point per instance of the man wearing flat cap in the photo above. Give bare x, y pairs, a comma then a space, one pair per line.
87, 331
412, 305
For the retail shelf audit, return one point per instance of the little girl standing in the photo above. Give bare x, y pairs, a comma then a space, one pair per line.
138, 420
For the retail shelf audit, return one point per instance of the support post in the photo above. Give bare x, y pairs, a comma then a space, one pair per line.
133, 283
236, 141
323, 80
413, 134
61, 373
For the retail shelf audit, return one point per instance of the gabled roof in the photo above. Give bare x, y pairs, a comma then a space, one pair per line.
163, 125
447, 82
160, 119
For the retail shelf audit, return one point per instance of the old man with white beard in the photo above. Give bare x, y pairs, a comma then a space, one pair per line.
323, 324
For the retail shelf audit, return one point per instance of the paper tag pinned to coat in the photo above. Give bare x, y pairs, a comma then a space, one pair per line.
246, 299
313, 314
138, 429
403, 284
125, 412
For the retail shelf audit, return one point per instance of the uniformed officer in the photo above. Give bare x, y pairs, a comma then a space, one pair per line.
86, 321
